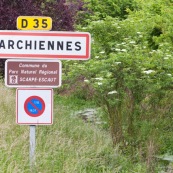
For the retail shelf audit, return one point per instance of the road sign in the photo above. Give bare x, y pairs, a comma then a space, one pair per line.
29, 73
34, 23
48, 44
34, 106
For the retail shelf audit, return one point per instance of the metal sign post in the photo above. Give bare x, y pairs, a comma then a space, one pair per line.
37, 109
32, 147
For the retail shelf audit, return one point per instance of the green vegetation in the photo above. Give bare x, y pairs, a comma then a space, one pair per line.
69, 145
129, 78
130, 74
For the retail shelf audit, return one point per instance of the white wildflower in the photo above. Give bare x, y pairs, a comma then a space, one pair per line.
148, 71
96, 56
132, 42
99, 78
117, 49
109, 74
102, 52
112, 92
166, 58
99, 83
123, 50
169, 74
86, 80
117, 62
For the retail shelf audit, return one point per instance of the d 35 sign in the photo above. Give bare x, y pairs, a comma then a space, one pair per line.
34, 23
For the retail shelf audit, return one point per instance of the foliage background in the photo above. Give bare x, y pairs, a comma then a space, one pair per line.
129, 75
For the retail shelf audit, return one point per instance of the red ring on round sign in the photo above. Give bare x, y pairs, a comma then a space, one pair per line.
29, 102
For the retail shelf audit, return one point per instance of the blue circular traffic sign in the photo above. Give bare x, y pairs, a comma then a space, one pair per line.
34, 106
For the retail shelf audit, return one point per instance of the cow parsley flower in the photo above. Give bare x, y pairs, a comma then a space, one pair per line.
148, 71
123, 50
86, 80
117, 49
117, 62
112, 92
99, 78
99, 83
132, 42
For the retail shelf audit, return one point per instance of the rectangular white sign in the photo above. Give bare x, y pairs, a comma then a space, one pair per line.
34, 106
51, 44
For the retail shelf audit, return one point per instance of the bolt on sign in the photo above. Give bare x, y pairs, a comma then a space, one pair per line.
34, 23
45, 45
29, 73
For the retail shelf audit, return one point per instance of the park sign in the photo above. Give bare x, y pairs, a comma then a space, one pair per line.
45, 45
32, 73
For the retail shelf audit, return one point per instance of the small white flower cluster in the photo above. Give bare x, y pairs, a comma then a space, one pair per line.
86, 80
112, 92
99, 78
123, 50
167, 57
132, 42
99, 83
148, 71
117, 62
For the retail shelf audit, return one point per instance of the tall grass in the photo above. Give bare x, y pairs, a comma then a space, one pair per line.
68, 146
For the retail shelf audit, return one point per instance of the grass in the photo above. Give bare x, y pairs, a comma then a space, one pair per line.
68, 146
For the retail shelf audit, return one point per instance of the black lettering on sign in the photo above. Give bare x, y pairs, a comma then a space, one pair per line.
28, 44
18, 46
36, 23
2, 45
50, 45
44, 24
10, 44
24, 23
78, 46
68, 44
35, 44
59, 45
41, 45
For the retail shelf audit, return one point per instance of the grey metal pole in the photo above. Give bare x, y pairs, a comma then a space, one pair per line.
32, 146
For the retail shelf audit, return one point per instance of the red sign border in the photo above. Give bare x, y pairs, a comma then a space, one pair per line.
34, 123
26, 109
47, 34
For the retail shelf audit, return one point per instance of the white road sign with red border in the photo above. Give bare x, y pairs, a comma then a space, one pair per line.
34, 106
45, 45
